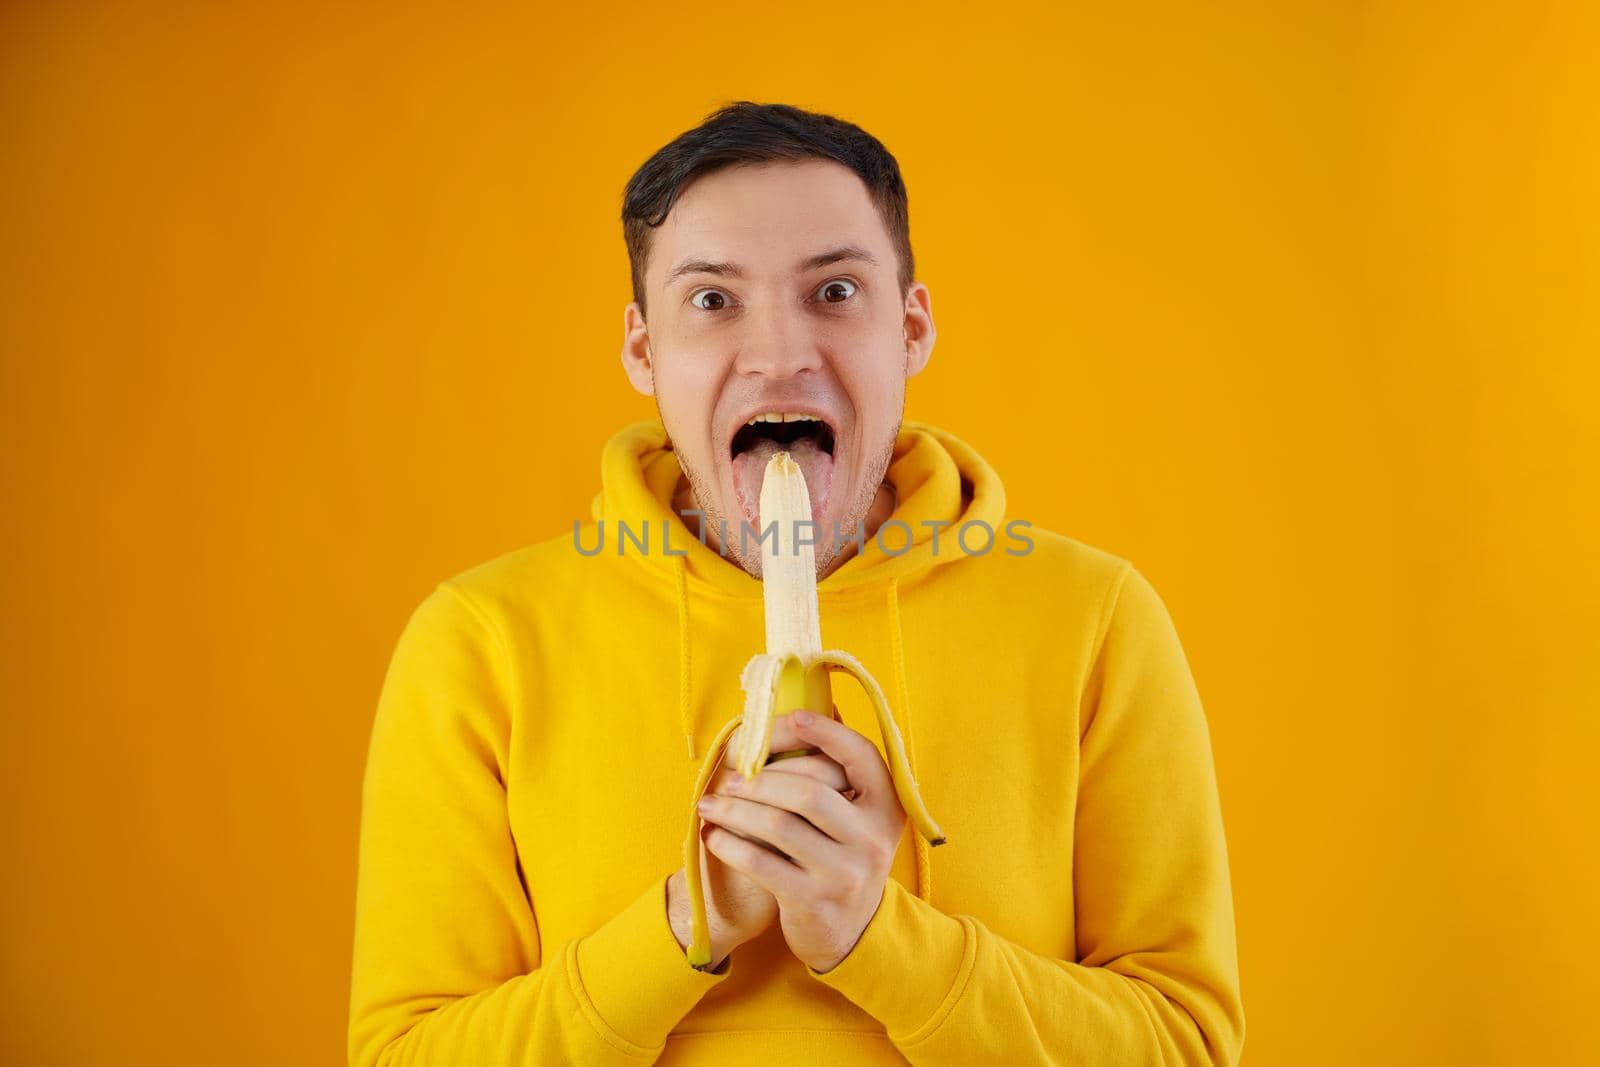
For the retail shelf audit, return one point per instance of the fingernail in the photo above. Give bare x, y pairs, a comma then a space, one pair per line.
801, 718
703, 805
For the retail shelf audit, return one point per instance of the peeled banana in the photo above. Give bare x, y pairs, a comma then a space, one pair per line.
792, 674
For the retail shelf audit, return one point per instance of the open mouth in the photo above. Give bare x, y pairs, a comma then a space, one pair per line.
808, 439
819, 433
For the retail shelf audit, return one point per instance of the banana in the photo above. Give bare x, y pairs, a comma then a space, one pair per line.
793, 673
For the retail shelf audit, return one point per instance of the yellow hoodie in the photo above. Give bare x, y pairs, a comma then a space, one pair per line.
544, 717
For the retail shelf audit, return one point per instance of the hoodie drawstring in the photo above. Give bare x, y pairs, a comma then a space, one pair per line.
685, 664
902, 692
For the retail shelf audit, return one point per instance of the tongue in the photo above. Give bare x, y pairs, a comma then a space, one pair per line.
750, 466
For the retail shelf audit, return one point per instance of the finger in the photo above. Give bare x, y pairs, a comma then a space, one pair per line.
784, 737
862, 764
788, 832
709, 825
807, 798
819, 768
777, 876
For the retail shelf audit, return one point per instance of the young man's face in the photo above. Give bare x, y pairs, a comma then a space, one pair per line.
767, 333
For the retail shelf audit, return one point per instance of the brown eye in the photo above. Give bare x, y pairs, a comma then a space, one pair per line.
838, 290
720, 300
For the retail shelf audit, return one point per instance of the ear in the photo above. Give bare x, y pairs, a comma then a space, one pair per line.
636, 354
919, 329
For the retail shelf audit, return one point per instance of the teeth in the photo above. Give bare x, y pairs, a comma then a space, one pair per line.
783, 416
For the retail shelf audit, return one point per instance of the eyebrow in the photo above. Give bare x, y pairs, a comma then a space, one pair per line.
733, 270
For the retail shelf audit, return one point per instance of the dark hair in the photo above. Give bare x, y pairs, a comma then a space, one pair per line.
745, 132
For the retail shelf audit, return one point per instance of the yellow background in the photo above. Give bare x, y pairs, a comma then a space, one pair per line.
1294, 305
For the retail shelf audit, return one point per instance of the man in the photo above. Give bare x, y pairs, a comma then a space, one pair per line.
527, 788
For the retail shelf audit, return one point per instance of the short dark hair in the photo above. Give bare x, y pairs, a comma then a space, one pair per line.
746, 132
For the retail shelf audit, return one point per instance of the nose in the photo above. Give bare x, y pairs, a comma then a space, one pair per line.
777, 342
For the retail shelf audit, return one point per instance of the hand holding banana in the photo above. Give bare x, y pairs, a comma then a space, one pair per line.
839, 851
738, 908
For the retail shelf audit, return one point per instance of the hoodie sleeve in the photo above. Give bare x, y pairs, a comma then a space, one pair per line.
1156, 975
447, 968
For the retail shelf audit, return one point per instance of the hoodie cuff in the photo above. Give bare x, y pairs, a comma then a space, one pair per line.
633, 978
910, 966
